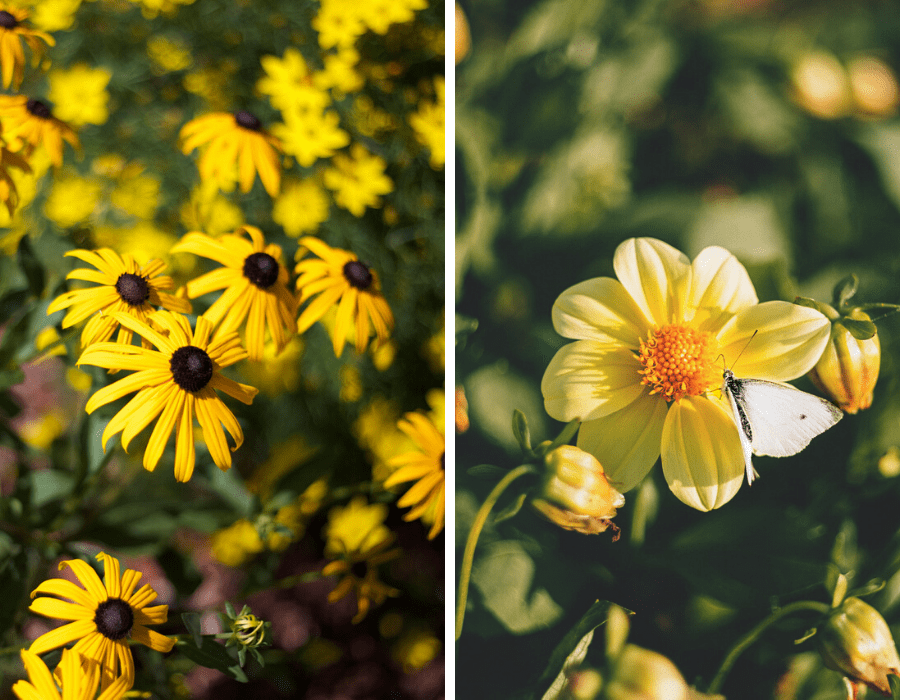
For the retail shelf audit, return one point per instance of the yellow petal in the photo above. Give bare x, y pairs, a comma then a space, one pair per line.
140, 598
242, 392
163, 428
152, 639
65, 589
627, 442
39, 675
789, 341
719, 288
133, 382
88, 578
60, 610
600, 309
587, 380
184, 441
701, 453
61, 636
111, 574
655, 275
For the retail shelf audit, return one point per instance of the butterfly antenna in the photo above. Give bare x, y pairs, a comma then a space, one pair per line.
744, 348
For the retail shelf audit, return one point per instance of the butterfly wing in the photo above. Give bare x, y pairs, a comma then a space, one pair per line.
743, 425
783, 419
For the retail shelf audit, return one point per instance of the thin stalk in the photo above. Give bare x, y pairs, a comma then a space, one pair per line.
469, 554
744, 642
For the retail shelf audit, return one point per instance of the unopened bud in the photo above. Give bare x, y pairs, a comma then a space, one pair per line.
848, 369
576, 495
856, 641
641, 674
821, 85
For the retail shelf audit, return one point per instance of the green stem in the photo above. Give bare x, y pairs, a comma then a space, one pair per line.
755, 633
469, 554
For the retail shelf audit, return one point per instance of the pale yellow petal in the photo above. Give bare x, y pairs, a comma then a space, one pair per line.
655, 275
701, 453
719, 288
627, 442
789, 341
600, 309
587, 380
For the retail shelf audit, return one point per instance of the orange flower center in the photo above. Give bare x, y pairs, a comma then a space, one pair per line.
678, 361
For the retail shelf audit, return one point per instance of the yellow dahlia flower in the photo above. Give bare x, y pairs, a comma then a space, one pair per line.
645, 372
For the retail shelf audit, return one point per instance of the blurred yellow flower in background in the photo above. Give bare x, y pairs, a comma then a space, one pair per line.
301, 207
137, 195
168, 55
309, 136
28, 123
338, 23
54, 15
72, 199
152, 8
288, 83
210, 211
339, 278
642, 375
79, 94
236, 544
234, 140
358, 180
340, 72
358, 526
9, 192
428, 124
12, 55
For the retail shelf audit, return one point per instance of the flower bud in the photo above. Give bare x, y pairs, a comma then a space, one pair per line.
856, 641
848, 368
576, 494
641, 674
821, 85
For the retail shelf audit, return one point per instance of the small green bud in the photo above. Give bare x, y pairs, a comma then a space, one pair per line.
856, 641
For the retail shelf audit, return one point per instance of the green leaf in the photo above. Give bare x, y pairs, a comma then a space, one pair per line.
242, 656
49, 486
894, 682
845, 290
487, 471
570, 652
192, 624
11, 377
31, 266
520, 430
511, 509
861, 330
211, 654
873, 586
817, 305
229, 608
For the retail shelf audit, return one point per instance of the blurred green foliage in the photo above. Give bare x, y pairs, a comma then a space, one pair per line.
704, 122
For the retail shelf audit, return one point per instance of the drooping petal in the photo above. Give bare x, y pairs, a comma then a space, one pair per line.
184, 441
600, 309
719, 288
701, 453
65, 589
154, 640
60, 610
655, 275
587, 380
88, 578
61, 636
626, 443
789, 341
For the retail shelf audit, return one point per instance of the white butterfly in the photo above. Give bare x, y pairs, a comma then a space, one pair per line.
775, 419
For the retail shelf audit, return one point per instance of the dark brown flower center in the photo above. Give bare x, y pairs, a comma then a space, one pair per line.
358, 274
359, 569
247, 121
442, 461
191, 368
261, 269
114, 618
132, 288
38, 108
7, 20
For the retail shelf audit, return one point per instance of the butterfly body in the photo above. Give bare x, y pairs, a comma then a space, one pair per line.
775, 419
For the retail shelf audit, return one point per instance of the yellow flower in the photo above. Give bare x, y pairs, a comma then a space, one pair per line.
339, 72
338, 23
210, 211
236, 544
9, 193
151, 8
415, 649
358, 180
168, 55
173, 383
643, 376
79, 94
76, 678
12, 55
309, 136
72, 199
377, 433
288, 83
378, 15
124, 287
284, 458
338, 277
301, 207
137, 195
55, 15
276, 373
254, 279
357, 536
234, 140
425, 466
428, 124
29, 123
104, 618
142, 240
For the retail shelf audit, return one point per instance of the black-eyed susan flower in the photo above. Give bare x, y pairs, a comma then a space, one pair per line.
643, 375
28, 123
255, 282
357, 180
103, 618
76, 678
339, 278
124, 286
173, 383
425, 466
359, 542
13, 30
236, 144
